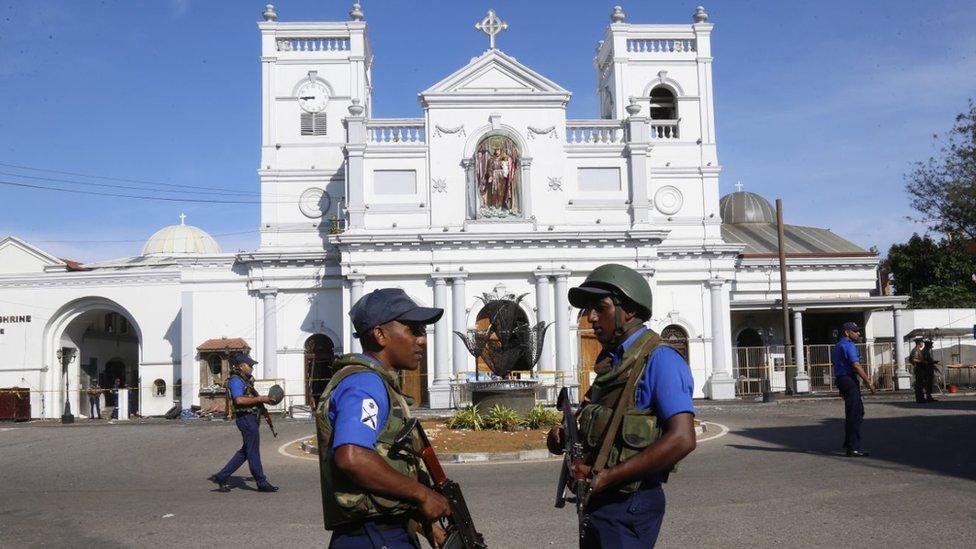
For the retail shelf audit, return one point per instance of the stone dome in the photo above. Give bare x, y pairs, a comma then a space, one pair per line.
746, 207
180, 239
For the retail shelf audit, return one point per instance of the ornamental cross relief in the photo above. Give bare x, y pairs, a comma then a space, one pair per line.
492, 26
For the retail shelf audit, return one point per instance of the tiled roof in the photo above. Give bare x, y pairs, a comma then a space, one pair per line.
224, 344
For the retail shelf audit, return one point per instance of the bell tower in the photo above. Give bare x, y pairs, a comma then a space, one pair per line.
312, 73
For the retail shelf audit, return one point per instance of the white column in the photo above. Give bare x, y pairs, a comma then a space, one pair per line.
122, 403
801, 383
563, 363
355, 293
903, 380
440, 388
270, 343
544, 313
721, 386
188, 353
459, 319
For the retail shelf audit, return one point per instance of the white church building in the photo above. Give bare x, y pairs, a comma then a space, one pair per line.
493, 191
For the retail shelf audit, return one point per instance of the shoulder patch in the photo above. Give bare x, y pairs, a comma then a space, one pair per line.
369, 413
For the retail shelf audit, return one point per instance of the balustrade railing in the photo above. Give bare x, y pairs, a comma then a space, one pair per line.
595, 132
661, 45
664, 129
396, 132
336, 43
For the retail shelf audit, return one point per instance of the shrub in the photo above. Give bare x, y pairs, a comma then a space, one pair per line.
542, 418
467, 418
501, 418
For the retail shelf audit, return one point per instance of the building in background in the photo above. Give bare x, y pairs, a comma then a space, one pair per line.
493, 193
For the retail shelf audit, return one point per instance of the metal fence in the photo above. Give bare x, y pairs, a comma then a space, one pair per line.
754, 367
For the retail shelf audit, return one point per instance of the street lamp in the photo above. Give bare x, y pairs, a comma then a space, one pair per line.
67, 355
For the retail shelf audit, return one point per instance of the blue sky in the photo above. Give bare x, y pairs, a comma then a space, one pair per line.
824, 104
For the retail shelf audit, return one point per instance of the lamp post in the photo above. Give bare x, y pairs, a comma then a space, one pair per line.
66, 355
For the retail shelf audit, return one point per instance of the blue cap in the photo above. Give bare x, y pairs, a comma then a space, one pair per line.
852, 326
240, 357
388, 304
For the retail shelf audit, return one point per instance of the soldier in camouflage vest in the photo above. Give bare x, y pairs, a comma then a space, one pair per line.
370, 494
652, 385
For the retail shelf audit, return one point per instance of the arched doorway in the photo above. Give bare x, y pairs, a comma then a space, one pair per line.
749, 338
102, 344
589, 349
319, 359
677, 337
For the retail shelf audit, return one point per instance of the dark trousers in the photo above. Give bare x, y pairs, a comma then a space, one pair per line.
375, 537
924, 378
625, 521
850, 389
250, 451
95, 407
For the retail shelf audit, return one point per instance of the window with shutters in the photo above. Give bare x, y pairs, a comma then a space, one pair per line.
313, 123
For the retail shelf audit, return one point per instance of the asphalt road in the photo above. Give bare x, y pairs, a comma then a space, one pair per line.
777, 478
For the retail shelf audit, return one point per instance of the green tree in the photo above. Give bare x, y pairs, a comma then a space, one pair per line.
943, 189
934, 274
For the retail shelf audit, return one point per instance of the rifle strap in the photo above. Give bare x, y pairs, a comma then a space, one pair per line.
618, 411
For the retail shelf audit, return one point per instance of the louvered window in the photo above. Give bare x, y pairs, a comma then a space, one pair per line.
313, 123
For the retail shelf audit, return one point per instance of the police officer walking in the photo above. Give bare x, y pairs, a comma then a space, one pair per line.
370, 493
847, 369
245, 401
651, 384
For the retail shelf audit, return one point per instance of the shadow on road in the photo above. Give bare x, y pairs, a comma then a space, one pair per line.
941, 444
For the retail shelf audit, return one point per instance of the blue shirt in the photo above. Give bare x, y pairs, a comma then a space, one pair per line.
843, 357
236, 387
666, 385
358, 409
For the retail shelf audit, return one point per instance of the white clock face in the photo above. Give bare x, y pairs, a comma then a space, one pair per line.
312, 97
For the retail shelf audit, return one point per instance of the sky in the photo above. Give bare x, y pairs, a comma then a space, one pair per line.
824, 104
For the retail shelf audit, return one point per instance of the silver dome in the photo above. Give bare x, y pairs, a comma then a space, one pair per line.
746, 207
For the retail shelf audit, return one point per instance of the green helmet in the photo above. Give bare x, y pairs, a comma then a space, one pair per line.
615, 280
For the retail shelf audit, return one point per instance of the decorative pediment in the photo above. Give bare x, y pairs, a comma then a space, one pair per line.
19, 257
495, 74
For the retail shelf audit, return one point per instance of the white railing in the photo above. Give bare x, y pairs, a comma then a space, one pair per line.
396, 132
595, 132
664, 129
661, 45
754, 367
334, 43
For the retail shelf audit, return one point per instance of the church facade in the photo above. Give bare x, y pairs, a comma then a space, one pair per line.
493, 194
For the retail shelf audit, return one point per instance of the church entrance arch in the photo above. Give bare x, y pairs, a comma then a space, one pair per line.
319, 360
677, 337
93, 343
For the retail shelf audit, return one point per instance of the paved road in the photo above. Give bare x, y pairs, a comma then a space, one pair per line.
775, 479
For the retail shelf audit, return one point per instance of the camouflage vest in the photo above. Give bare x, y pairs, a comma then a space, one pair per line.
638, 428
249, 391
343, 502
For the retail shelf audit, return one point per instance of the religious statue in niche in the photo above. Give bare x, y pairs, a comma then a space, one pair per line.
498, 169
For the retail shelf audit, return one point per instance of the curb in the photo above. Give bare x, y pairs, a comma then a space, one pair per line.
542, 454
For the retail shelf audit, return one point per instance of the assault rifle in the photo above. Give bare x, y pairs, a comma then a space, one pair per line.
267, 418
572, 458
461, 533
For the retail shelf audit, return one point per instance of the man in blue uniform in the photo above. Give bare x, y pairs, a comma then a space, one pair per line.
371, 493
653, 384
246, 404
847, 370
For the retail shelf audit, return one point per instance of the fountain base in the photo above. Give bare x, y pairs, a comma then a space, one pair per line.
517, 394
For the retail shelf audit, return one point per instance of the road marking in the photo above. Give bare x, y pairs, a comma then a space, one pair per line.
282, 450
725, 431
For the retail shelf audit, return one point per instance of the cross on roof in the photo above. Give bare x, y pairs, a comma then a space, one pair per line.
182, 218
491, 25
738, 186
